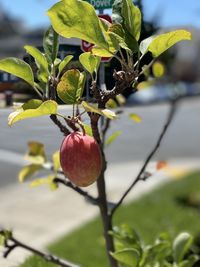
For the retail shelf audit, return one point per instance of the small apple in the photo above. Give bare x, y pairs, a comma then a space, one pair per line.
80, 159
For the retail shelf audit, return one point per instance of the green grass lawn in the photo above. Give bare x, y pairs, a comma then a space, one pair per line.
157, 211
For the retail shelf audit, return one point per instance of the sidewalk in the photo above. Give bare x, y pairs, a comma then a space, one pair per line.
39, 216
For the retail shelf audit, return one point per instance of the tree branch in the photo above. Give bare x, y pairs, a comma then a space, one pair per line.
62, 128
48, 257
101, 188
67, 183
170, 117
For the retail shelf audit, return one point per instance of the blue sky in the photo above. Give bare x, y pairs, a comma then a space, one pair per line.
168, 13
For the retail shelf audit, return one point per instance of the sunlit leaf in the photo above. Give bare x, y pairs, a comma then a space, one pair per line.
128, 256
113, 137
71, 86
40, 60
111, 104
51, 45
36, 153
4, 236
73, 18
28, 171
90, 62
181, 245
93, 108
88, 129
31, 109
56, 160
18, 68
121, 99
49, 180
158, 69
145, 84
132, 18
160, 43
135, 117
129, 16
64, 63
144, 45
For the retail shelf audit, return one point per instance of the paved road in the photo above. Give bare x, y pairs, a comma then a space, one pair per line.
27, 211
182, 140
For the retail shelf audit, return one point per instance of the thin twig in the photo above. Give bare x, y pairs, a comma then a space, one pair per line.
170, 117
62, 128
67, 183
48, 257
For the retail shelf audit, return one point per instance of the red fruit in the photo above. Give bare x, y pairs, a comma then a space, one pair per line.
80, 159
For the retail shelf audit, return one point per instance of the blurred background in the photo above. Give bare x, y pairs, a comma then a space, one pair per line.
27, 210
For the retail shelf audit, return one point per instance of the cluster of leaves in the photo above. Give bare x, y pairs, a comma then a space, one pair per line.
68, 20
165, 252
37, 159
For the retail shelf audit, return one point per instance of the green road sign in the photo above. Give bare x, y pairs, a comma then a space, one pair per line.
101, 4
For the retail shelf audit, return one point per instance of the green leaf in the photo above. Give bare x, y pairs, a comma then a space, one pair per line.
160, 43
4, 236
74, 18
135, 117
64, 63
132, 18
88, 129
93, 108
36, 153
192, 259
18, 68
111, 103
71, 86
128, 256
56, 160
181, 245
90, 62
49, 180
121, 99
158, 69
51, 45
113, 137
28, 171
31, 109
41, 62
129, 16
144, 45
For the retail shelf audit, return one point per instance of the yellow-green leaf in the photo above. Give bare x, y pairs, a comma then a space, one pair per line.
40, 60
64, 63
93, 108
88, 129
18, 68
112, 137
36, 153
28, 171
145, 84
56, 160
90, 62
160, 43
135, 117
74, 18
31, 109
121, 99
71, 86
128, 256
49, 180
158, 69
111, 104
